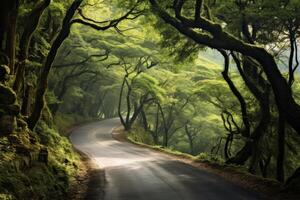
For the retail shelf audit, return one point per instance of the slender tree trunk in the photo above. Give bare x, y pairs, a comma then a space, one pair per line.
291, 57
251, 144
227, 145
144, 120
190, 139
43, 81
237, 94
165, 135
264, 164
120, 103
26, 101
155, 137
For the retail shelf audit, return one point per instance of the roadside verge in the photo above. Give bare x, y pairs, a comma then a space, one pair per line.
267, 188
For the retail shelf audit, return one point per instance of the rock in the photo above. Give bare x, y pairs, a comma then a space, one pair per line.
43, 156
13, 109
21, 123
7, 124
32, 140
13, 139
23, 150
7, 95
4, 73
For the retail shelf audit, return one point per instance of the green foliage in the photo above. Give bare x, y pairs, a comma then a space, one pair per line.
37, 181
140, 136
185, 87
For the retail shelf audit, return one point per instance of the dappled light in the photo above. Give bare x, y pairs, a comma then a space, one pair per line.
157, 99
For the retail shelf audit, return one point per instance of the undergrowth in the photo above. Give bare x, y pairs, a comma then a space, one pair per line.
24, 175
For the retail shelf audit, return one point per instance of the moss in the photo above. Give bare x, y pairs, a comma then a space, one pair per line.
139, 135
64, 122
7, 95
24, 177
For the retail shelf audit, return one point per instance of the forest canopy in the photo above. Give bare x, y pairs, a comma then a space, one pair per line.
211, 78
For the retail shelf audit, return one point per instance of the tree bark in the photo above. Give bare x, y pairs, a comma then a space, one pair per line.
12, 34
251, 144
43, 81
237, 94
120, 103
190, 138
281, 149
5, 9
30, 27
26, 100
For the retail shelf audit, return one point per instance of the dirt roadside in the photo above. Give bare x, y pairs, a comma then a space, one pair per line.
90, 181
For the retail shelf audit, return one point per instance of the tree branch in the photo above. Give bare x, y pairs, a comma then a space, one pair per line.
105, 57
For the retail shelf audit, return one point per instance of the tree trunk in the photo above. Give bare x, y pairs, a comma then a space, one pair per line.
120, 103
144, 120
12, 34
237, 94
281, 149
251, 144
5, 9
26, 100
43, 81
30, 27
190, 138
226, 146
223, 40
165, 135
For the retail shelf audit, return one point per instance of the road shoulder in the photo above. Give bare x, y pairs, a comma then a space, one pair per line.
90, 181
266, 188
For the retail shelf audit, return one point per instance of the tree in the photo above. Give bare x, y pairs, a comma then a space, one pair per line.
133, 82
63, 34
220, 39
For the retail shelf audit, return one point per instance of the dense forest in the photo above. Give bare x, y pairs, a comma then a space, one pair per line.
216, 79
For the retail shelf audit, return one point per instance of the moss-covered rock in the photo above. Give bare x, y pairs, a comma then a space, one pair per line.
4, 73
7, 95
31, 170
22, 123
13, 109
8, 124
43, 156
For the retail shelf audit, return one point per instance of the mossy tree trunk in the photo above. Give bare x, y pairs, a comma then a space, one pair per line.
11, 34
30, 27
5, 9
43, 80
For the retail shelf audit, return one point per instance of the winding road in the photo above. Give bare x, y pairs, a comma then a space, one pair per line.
134, 173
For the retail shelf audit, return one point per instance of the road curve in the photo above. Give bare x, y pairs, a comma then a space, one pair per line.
134, 173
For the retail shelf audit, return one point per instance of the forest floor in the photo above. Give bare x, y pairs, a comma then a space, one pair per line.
268, 188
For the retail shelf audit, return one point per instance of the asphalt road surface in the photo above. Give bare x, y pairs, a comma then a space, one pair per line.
134, 173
